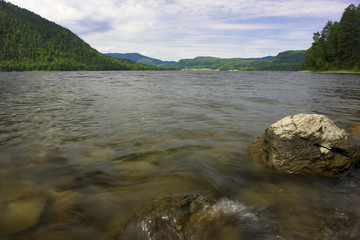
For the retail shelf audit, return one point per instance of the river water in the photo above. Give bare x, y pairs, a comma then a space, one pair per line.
80, 151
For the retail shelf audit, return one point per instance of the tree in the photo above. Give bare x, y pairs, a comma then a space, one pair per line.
349, 36
29, 42
337, 47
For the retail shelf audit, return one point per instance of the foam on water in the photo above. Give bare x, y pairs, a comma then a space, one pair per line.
230, 207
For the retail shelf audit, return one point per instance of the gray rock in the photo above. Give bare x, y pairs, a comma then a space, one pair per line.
309, 144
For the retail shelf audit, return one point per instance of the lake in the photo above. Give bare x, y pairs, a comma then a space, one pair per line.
81, 151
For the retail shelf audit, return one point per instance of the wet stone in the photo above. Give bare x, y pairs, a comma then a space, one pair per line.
21, 204
20, 214
64, 200
341, 226
354, 130
193, 216
306, 144
171, 218
186, 216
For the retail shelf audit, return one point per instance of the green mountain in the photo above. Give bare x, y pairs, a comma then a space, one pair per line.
136, 57
284, 61
337, 46
29, 42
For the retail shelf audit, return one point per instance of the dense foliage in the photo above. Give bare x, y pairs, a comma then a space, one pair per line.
29, 42
337, 46
285, 61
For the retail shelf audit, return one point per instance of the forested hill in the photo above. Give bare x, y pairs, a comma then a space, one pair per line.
284, 61
136, 57
337, 46
29, 42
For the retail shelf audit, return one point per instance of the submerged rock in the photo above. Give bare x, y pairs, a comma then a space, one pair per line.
190, 216
170, 218
309, 144
354, 130
21, 214
340, 227
21, 204
64, 200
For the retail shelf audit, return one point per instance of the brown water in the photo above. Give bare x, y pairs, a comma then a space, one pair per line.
80, 151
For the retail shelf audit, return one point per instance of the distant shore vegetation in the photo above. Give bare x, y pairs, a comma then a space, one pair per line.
285, 61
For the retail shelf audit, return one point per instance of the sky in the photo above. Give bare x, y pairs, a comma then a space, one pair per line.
177, 29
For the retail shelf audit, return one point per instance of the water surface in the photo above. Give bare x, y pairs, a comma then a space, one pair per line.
80, 151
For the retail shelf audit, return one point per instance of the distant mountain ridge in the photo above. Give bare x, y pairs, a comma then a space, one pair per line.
29, 42
136, 57
262, 58
285, 61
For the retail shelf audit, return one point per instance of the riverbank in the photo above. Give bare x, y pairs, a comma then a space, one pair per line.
338, 72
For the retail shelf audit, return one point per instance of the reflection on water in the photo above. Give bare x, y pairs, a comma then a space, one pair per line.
80, 151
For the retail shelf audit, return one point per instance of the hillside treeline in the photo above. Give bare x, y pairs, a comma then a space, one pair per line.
284, 61
29, 42
337, 46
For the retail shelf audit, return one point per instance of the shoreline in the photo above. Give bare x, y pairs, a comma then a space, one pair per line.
338, 72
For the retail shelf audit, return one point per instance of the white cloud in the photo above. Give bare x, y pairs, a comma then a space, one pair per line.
172, 29
239, 26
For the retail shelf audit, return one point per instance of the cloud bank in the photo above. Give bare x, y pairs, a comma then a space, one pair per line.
174, 29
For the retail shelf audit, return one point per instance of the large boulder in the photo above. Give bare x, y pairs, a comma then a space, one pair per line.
309, 144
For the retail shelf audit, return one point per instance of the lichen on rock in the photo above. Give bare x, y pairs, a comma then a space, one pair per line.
309, 144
